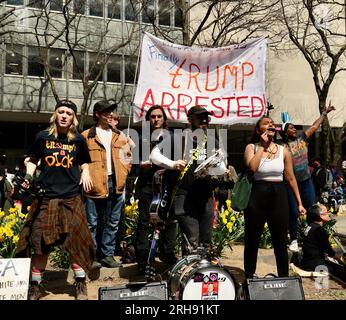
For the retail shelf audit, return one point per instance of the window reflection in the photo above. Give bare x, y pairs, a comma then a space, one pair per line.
130, 69
114, 69
78, 64
56, 5
95, 66
39, 4
96, 8
164, 12
148, 13
35, 62
14, 60
114, 9
56, 57
79, 6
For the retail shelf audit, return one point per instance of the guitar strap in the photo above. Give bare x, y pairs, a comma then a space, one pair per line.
182, 173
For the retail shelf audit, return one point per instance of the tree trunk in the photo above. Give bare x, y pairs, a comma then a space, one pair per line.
83, 114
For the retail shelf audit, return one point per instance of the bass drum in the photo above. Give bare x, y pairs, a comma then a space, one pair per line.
193, 278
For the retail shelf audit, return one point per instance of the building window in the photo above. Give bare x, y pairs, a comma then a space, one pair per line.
56, 62
56, 5
78, 64
15, 2
148, 12
130, 69
130, 10
35, 62
114, 9
79, 6
164, 12
178, 17
95, 66
39, 4
114, 69
96, 8
14, 60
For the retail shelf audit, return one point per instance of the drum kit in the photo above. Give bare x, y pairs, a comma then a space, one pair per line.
197, 278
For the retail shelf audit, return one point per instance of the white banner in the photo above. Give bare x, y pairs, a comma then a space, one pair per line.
227, 81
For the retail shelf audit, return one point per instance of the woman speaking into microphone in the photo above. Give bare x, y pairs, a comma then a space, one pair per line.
270, 163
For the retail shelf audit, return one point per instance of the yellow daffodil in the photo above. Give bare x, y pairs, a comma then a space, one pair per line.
266, 225
28, 208
224, 220
2, 213
12, 210
9, 232
15, 239
22, 215
228, 204
128, 210
233, 218
230, 227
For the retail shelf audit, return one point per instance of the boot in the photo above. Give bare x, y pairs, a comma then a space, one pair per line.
34, 291
81, 289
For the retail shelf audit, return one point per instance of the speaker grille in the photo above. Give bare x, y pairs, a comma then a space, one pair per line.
135, 291
275, 289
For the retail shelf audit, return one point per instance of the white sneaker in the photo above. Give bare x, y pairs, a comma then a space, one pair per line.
294, 246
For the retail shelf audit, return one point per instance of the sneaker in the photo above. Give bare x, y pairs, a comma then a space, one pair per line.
294, 246
81, 290
34, 291
109, 262
96, 265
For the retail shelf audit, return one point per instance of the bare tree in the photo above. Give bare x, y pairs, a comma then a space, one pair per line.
68, 29
214, 23
317, 29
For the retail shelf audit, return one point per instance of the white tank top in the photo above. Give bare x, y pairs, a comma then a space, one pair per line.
271, 170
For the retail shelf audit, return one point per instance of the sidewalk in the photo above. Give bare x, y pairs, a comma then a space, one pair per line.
59, 284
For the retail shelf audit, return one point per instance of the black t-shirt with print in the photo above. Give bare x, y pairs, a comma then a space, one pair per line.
60, 160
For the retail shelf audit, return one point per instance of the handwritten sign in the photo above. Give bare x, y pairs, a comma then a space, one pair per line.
14, 278
228, 81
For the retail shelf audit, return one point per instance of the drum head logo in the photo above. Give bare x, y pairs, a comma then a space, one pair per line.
205, 278
210, 291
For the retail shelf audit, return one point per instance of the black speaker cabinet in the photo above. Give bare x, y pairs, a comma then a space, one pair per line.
289, 288
135, 291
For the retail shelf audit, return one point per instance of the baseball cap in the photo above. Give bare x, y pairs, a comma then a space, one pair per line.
197, 110
67, 103
104, 105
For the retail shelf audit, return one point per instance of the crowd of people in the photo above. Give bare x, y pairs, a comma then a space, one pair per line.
82, 177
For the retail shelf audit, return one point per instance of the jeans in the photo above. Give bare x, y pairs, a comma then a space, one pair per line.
307, 194
103, 220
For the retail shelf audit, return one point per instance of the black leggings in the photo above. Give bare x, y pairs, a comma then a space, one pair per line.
268, 203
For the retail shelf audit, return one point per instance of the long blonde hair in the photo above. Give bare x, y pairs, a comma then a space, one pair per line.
53, 129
